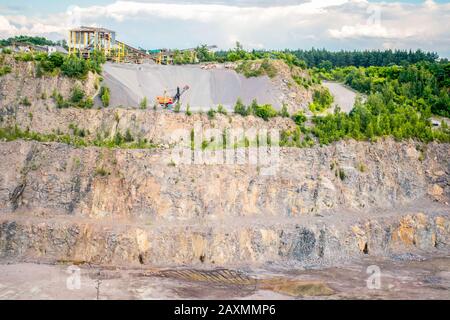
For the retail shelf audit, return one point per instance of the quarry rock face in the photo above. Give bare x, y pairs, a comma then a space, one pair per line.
159, 127
105, 206
22, 82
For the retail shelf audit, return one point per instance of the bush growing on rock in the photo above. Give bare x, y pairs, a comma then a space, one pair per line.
4, 70
240, 108
74, 67
188, 110
143, 103
284, 111
177, 107
211, 113
105, 96
322, 100
299, 117
265, 111
25, 101
77, 95
221, 109
128, 137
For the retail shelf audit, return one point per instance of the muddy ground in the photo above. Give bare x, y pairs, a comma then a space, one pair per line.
402, 277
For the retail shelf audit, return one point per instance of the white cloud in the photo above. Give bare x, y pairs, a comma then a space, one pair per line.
369, 31
396, 21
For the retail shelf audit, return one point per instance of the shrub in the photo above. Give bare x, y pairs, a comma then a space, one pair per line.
88, 103
128, 137
221, 109
77, 95
252, 108
177, 107
284, 111
59, 100
77, 131
101, 171
361, 167
322, 100
39, 71
342, 174
299, 117
118, 138
143, 103
265, 111
268, 68
57, 59
240, 108
188, 110
25, 101
74, 67
25, 57
4, 70
211, 113
105, 96
95, 61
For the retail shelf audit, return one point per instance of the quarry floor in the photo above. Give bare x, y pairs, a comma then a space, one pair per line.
402, 277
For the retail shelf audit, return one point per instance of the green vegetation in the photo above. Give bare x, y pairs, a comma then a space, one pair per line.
250, 68
222, 110
420, 86
77, 139
265, 111
183, 57
177, 107
5, 70
77, 99
322, 100
40, 41
101, 171
74, 67
77, 95
211, 113
105, 96
299, 118
188, 110
240, 108
144, 103
322, 58
82, 133
128, 136
377, 118
306, 83
284, 111
341, 174
70, 66
25, 102
362, 167
24, 57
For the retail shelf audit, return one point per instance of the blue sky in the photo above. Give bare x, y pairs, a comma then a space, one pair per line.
277, 24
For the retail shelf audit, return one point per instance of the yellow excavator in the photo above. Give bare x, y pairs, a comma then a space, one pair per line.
168, 101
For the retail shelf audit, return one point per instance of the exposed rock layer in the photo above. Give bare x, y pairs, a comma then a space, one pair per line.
57, 204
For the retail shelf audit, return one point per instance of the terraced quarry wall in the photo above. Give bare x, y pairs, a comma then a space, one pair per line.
56, 205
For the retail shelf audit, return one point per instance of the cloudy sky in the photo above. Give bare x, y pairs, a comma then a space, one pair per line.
275, 24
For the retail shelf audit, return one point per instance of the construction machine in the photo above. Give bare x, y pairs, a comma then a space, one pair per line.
168, 101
